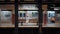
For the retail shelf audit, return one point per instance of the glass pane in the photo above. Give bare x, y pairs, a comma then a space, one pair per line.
28, 18
28, 15
28, 7
7, 16
34, 14
57, 17
51, 18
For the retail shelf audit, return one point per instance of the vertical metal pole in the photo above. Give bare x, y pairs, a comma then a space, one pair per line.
16, 16
0, 16
40, 16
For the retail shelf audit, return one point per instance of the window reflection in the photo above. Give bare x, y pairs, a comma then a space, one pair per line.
22, 13
35, 14
6, 16
51, 16
52, 19
28, 17
28, 7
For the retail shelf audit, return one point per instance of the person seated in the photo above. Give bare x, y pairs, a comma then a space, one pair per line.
53, 19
